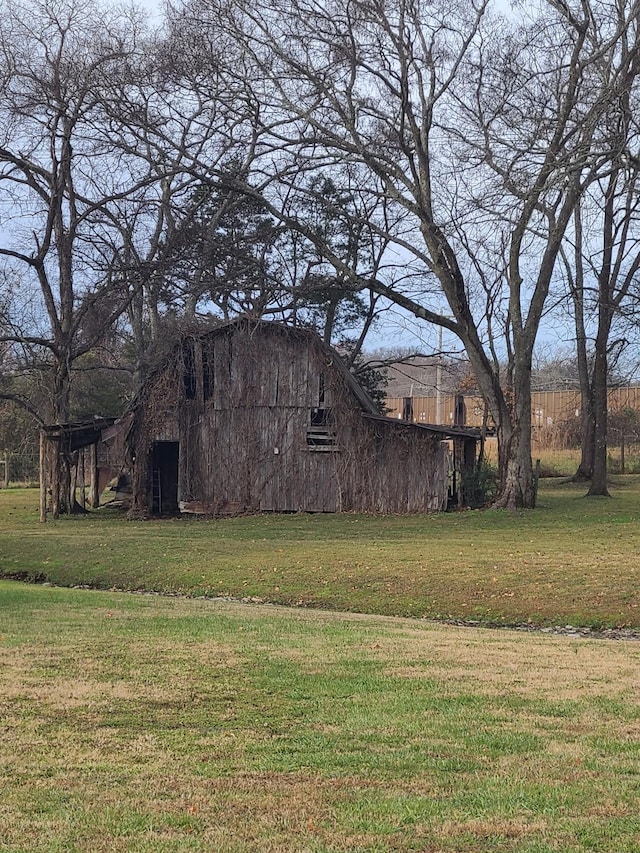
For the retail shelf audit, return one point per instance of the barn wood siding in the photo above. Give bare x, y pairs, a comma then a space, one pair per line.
155, 419
243, 432
393, 469
254, 436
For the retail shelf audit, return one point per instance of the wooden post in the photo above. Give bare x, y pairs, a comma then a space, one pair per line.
73, 471
622, 471
43, 476
55, 476
94, 490
458, 468
536, 480
83, 490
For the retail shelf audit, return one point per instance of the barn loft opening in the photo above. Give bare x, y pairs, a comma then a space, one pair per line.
320, 434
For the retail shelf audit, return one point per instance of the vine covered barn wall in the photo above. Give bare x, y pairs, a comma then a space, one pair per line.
265, 420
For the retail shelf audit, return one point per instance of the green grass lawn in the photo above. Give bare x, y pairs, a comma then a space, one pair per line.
147, 724
571, 561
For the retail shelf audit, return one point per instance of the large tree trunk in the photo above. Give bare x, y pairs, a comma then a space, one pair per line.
577, 287
587, 444
600, 370
61, 499
517, 480
600, 365
517, 488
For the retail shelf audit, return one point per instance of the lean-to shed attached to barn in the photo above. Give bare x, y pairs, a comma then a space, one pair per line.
254, 416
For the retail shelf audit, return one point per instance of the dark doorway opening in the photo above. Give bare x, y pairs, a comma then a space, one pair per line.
164, 475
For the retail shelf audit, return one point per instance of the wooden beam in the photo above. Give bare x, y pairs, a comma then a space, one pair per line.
81, 477
43, 476
94, 490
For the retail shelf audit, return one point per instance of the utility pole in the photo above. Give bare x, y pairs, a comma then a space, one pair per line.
439, 379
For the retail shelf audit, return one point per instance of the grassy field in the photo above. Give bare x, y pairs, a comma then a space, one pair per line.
564, 463
151, 724
571, 561
147, 724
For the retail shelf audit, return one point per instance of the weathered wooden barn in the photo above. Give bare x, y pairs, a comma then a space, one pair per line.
254, 416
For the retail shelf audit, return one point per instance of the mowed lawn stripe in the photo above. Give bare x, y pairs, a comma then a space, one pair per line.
571, 561
165, 724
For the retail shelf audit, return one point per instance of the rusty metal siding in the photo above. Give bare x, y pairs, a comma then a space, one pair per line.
548, 408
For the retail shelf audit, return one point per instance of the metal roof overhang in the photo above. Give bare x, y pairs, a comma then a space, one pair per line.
442, 430
79, 434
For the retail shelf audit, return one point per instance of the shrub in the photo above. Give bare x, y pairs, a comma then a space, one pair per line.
480, 485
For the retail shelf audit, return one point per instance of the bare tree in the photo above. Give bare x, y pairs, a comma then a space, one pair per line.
221, 250
604, 277
603, 255
484, 132
192, 122
63, 183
